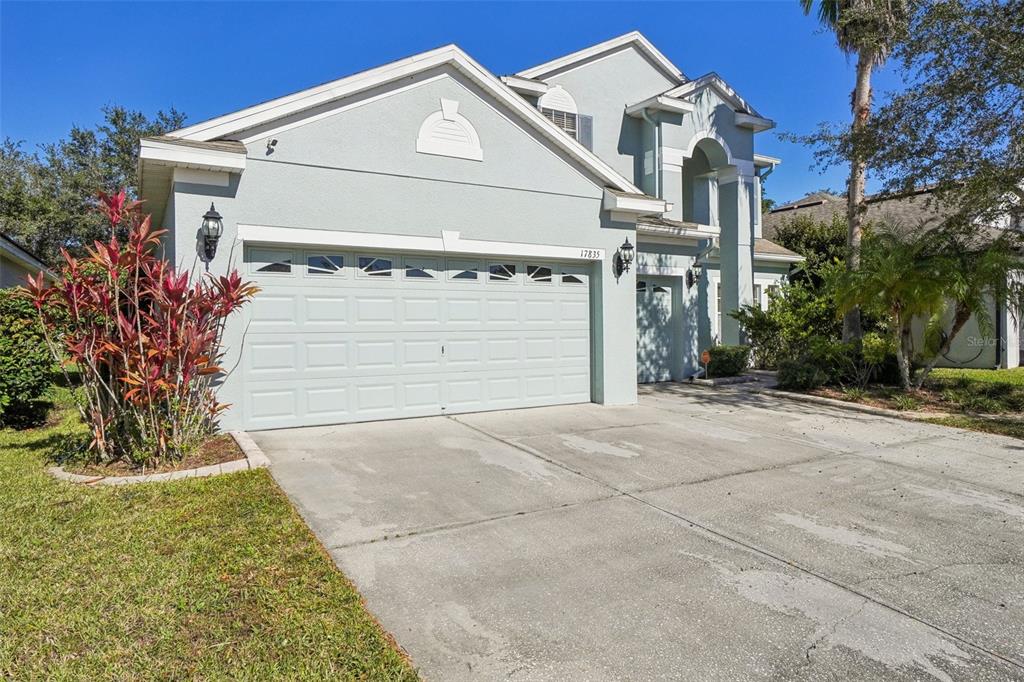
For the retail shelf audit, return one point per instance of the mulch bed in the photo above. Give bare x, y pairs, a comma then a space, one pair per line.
217, 450
928, 401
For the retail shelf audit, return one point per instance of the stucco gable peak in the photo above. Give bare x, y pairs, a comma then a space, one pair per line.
634, 38
718, 84
232, 125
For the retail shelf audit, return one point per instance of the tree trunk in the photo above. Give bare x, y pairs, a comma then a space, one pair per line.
959, 320
902, 353
855, 204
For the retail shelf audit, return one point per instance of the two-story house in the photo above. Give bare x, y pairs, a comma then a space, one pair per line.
430, 238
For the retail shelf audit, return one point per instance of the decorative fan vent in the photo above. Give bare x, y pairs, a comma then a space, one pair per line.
448, 133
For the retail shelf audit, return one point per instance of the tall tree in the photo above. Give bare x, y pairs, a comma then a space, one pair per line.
868, 29
959, 126
47, 197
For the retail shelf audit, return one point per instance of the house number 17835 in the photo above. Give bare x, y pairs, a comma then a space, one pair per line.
590, 253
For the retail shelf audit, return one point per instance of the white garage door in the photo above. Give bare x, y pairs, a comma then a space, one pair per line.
341, 336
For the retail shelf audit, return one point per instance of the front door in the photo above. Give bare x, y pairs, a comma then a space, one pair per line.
655, 341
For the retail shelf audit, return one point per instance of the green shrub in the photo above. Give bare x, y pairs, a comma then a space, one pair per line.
981, 403
728, 361
26, 366
798, 316
906, 402
800, 374
854, 394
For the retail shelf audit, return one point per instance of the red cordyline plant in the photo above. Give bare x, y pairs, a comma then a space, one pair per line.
145, 338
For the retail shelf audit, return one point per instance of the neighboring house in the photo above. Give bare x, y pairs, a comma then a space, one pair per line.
430, 238
971, 348
16, 263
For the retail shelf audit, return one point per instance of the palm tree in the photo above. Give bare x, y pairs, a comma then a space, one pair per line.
899, 280
870, 29
977, 271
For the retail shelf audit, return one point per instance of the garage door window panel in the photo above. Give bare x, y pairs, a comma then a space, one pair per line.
325, 264
271, 261
573, 276
501, 272
421, 268
467, 272
376, 266
538, 274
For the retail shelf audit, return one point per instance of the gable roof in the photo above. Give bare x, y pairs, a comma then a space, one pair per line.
633, 37
717, 83
233, 124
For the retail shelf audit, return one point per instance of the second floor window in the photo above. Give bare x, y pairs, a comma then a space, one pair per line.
564, 120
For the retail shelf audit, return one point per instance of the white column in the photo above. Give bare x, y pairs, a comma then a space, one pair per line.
737, 193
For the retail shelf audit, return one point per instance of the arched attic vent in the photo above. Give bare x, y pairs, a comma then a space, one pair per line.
449, 133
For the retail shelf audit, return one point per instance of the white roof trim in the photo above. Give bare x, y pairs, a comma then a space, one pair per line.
777, 258
234, 123
23, 257
660, 103
634, 204
764, 161
715, 81
450, 242
170, 154
634, 37
755, 123
525, 86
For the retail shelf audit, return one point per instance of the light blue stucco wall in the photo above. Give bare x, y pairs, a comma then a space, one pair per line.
358, 170
603, 87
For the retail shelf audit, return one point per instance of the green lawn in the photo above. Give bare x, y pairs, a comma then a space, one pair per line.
207, 579
1008, 377
1003, 427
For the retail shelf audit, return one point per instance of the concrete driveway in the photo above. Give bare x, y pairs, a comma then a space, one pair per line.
703, 535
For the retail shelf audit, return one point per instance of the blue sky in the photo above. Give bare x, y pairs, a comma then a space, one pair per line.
61, 62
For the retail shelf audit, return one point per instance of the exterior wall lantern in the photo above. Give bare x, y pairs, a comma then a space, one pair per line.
623, 258
693, 275
212, 229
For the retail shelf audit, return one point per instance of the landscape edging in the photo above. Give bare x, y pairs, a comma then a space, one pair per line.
254, 459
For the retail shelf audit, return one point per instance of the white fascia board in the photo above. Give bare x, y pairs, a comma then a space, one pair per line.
756, 123
448, 243
777, 258
638, 205
581, 55
660, 103
169, 154
356, 240
451, 54
525, 86
763, 161
455, 244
